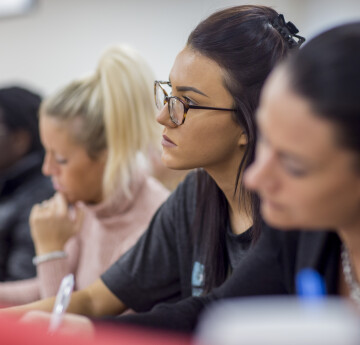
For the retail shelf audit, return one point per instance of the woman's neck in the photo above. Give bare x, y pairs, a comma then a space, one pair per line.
240, 220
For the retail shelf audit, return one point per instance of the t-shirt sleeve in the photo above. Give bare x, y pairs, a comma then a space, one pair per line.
259, 273
149, 272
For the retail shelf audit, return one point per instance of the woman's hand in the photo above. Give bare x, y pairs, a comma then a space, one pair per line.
52, 223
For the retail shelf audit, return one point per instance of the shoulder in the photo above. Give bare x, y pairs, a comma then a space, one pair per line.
297, 249
312, 240
179, 208
294, 239
184, 196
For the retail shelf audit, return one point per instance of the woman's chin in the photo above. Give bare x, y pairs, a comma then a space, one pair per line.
69, 199
276, 218
176, 165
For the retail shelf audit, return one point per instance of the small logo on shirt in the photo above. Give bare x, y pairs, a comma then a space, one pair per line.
197, 279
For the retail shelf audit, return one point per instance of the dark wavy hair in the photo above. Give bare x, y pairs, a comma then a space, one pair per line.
326, 72
244, 43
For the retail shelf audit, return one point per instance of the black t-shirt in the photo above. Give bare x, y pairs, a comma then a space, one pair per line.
269, 268
163, 266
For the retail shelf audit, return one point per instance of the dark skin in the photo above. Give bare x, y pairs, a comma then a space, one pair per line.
13, 146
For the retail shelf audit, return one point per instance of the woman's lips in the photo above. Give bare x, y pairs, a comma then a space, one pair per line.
57, 186
167, 142
272, 204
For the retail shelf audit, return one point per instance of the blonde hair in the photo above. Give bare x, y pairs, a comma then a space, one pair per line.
117, 110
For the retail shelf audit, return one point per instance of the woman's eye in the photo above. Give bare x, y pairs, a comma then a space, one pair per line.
296, 171
60, 160
189, 101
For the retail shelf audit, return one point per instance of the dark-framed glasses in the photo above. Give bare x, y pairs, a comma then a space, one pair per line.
177, 107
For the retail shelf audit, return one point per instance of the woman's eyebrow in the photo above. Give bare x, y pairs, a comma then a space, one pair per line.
189, 88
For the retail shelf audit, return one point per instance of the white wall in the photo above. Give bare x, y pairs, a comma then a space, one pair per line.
62, 39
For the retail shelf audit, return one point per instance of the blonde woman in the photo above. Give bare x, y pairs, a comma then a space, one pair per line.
94, 132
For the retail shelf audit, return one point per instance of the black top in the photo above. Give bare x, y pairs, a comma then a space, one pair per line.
269, 268
164, 265
20, 188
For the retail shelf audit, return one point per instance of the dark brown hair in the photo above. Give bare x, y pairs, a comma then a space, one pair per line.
245, 44
326, 72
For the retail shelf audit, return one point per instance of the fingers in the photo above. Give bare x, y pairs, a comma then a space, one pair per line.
39, 210
79, 217
55, 205
36, 316
60, 204
57, 209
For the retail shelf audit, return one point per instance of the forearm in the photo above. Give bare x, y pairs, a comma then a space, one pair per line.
180, 317
95, 301
45, 305
79, 304
99, 302
19, 292
50, 274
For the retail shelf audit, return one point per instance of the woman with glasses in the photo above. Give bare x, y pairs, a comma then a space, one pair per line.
307, 173
94, 131
202, 232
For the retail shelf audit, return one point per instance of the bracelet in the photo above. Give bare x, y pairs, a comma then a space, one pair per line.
48, 256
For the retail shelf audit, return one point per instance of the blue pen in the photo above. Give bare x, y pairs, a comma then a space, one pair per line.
61, 302
310, 285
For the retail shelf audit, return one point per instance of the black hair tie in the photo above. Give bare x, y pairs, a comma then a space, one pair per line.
288, 31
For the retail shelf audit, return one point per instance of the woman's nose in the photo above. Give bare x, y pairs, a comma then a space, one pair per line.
259, 176
252, 176
48, 168
163, 117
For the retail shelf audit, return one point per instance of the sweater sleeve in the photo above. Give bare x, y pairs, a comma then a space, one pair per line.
50, 273
19, 292
47, 282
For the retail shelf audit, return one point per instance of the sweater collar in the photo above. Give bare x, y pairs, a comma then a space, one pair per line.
118, 203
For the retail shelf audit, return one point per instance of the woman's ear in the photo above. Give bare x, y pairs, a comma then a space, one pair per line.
243, 139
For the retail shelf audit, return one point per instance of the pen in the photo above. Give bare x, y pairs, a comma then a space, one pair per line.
61, 302
310, 285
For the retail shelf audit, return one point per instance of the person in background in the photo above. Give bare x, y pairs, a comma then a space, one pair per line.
204, 229
94, 132
21, 182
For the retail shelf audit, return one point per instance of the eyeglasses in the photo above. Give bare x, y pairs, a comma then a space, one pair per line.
176, 106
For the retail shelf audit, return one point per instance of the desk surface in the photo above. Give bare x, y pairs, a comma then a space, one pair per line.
13, 333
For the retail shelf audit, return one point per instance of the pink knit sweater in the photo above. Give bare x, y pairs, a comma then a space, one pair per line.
109, 229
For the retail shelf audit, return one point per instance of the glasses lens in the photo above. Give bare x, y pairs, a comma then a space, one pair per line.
176, 110
159, 97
